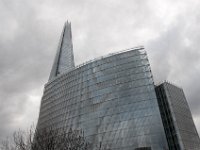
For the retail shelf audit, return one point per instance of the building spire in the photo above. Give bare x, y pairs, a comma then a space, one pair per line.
64, 59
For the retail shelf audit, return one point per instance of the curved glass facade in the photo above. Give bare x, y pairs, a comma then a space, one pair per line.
111, 99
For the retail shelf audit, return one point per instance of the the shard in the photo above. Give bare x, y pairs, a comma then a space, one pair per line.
64, 60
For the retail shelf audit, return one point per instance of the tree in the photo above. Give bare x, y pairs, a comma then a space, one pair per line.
6, 145
47, 139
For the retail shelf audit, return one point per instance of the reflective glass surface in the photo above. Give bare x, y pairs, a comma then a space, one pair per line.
177, 119
111, 99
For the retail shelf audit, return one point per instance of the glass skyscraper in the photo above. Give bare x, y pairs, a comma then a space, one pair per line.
112, 99
179, 127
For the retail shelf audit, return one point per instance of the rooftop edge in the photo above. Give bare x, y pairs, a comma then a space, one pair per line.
98, 58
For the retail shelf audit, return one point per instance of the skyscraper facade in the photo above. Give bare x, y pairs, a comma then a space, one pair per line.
179, 127
111, 98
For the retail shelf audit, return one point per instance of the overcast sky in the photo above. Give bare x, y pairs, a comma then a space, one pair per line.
30, 30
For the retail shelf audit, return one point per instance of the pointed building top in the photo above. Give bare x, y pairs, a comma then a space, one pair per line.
64, 59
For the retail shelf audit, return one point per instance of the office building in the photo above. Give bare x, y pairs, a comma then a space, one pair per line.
177, 119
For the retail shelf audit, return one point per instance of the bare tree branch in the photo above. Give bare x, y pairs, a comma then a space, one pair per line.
48, 139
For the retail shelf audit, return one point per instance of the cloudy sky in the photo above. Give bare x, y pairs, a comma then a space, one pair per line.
30, 30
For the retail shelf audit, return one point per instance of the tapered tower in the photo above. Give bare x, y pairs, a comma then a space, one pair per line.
64, 60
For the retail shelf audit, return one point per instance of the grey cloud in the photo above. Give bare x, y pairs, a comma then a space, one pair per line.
30, 32
175, 57
24, 64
